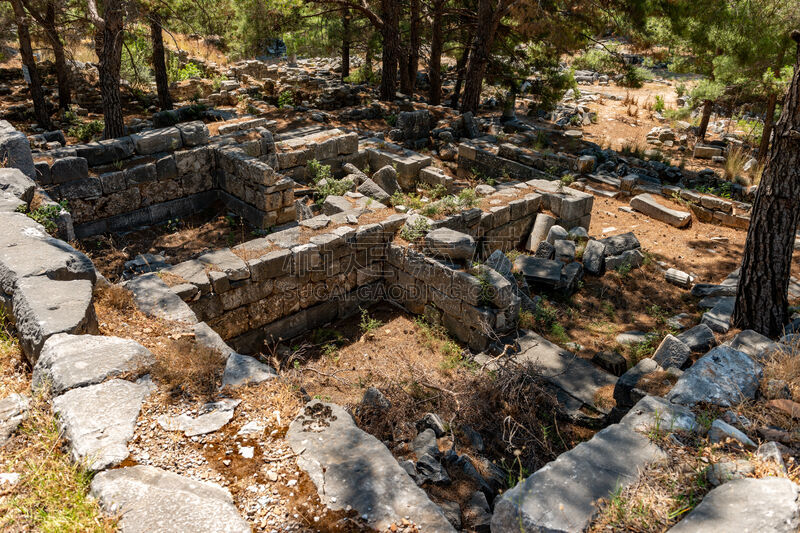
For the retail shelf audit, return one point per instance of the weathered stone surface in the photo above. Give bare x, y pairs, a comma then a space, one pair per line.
672, 352
211, 418
617, 244
14, 182
226, 261
12, 412
541, 227
576, 376
611, 361
564, 250
152, 296
594, 258
627, 259
372, 190
699, 338
352, 468
625, 392
44, 307
539, 271
721, 430
336, 204
68, 169
654, 413
720, 473
556, 233
647, 204
99, 420
754, 344
746, 505
149, 499
193, 133
10, 203
561, 496
719, 317
386, 178
723, 376
243, 370
632, 337
160, 140
15, 149
70, 361
449, 243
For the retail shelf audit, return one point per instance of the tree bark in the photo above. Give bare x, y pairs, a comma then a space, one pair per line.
405, 75
108, 46
762, 295
48, 23
435, 62
460, 70
159, 63
390, 31
346, 44
26, 51
708, 106
414, 42
488, 20
769, 120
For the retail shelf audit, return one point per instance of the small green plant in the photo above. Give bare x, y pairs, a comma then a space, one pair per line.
317, 171
286, 99
682, 113
559, 334
565, 181
681, 90
88, 131
659, 106
46, 215
416, 230
368, 324
391, 120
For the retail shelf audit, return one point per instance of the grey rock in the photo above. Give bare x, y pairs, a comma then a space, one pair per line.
539, 271
451, 510
771, 451
68, 169
243, 370
627, 259
484, 190
13, 409
374, 399
352, 468
15, 149
632, 337
545, 250
594, 257
652, 413
10, 203
152, 296
474, 438
148, 499
431, 421
561, 496
556, 233
775, 389
106, 151
672, 352
430, 470
477, 515
193, 133
611, 361
227, 262
564, 250
578, 234
16, 183
207, 338
386, 178
336, 204
425, 443
373, 190
719, 317
747, 506
160, 140
617, 244
647, 204
449, 243
414, 124
723, 377
625, 392
99, 420
754, 344
70, 361
316, 223
213, 416
720, 473
541, 227
699, 338
720, 431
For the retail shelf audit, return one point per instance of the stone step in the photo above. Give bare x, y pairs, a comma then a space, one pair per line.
647, 204
148, 499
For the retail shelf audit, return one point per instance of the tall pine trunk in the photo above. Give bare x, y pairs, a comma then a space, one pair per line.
769, 120
108, 45
62, 70
159, 63
390, 31
761, 298
345, 44
435, 62
414, 42
405, 75
26, 51
488, 20
461, 66
708, 106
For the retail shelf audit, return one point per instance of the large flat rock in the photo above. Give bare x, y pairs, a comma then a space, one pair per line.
44, 307
561, 496
723, 377
577, 377
16, 183
746, 506
148, 499
539, 271
70, 361
243, 370
353, 468
153, 298
647, 204
99, 420
718, 318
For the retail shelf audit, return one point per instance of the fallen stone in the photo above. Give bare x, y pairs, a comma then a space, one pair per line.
477, 515
564, 251
386, 179
545, 250
351, 468
787, 406
15, 149
719, 317
243, 370
652, 413
556, 233
425, 444
541, 227
227, 262
627, 259
13, 409
594, 258
721, 431
562, 495
213, 416
433, 422
754, 344
672, 352
699, 338
720, 473
539, 271
152, 296
449, 243
317, 222
70, 361
617, 244
632, 337
767, 504
771, 451
647, 204
148, 499
723, 377
373, 190
336, 204
625, 392
430, 470
611, 361
99, 420
14, 182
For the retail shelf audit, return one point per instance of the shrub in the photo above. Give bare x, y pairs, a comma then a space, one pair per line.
368, 324
415, 231
317, 171
682, 113
659, 106
286, 99
597, 61
635, 77
188, 368
46, 215
88, 131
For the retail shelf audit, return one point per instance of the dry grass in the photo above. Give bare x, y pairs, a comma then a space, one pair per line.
51, 495
186, 368
196, 47
734, 166
13, 365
